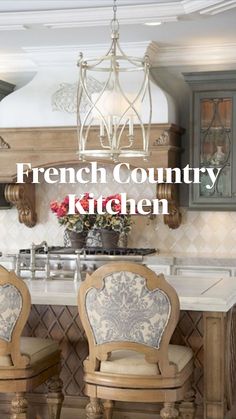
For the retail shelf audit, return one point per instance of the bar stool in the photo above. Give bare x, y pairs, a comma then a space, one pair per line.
129, 315
25, 362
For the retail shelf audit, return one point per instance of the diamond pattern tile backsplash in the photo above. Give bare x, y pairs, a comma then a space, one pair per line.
200, 232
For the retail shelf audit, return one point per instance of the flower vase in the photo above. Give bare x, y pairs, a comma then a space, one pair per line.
77, 240
110, 238
123, 240
94, 238
66, 238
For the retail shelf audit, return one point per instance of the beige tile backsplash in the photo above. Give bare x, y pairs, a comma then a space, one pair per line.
200, 232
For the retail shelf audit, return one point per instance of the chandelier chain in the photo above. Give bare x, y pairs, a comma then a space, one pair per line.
114, 22
114, 9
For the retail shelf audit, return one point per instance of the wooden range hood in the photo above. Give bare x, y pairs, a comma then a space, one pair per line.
50, 147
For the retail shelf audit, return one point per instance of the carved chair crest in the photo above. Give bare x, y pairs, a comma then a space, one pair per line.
14, 310
127, 306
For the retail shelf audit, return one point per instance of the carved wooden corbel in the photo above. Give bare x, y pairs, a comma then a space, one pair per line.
3, 144
170, 192
23, 197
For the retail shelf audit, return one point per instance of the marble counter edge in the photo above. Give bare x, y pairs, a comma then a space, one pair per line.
202, 262
190, 260
46, 293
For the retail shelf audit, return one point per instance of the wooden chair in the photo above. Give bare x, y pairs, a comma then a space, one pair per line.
25, 362
129, 315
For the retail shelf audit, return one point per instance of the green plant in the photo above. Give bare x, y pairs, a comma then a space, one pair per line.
117, 222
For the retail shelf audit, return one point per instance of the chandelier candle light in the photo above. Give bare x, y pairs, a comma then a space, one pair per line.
113, 108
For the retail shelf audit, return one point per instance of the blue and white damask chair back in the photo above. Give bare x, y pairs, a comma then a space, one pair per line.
127, 306
15, 304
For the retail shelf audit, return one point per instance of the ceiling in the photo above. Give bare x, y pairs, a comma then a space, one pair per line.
191, 31
19, 5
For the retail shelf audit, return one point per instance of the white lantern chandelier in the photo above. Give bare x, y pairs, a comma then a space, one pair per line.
112, 106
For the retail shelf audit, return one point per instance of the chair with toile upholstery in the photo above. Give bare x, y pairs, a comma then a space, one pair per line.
25, 362
129, 315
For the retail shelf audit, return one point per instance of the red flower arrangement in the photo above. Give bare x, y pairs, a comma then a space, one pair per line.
74, 222
83, 222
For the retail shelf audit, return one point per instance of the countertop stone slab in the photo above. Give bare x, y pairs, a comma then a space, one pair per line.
195, 293
181, 259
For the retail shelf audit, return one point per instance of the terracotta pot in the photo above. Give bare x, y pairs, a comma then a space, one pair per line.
77, 240
110, 238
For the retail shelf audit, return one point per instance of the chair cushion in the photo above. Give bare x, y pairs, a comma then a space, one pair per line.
134, 363
36, 348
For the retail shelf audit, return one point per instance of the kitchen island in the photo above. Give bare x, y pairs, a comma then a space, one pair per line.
207, 323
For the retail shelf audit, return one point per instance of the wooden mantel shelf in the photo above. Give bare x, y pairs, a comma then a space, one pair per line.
50, 147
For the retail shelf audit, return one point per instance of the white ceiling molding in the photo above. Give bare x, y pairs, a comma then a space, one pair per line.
26, 5
91, 20
191, 6
96, 16
196, 55
128, 20
69, 54
13, 27
219, 8
99, 16
166, 11
34, 58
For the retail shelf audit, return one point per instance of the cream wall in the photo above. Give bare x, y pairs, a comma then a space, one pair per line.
200, 232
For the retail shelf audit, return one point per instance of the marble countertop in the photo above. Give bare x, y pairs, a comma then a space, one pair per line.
191, 259
195, 293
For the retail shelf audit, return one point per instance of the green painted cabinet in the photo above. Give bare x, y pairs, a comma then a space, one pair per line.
213, 138
5, 88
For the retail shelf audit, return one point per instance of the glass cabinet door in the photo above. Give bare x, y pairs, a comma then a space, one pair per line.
213, 145
216, 144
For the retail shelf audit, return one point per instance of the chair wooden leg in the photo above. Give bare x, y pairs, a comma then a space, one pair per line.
54, 397
187, 408
169, 411
108, 409
19, 407
94, 410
